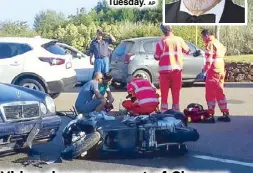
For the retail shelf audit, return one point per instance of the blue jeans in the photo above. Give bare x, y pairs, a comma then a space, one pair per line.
88, 107
101, 65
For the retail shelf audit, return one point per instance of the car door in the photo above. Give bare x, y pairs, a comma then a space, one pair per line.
81, 64
12, 56
192, 65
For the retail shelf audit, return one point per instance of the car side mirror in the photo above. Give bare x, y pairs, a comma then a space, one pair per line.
197, 53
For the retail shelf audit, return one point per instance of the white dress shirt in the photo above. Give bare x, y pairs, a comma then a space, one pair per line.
217, 10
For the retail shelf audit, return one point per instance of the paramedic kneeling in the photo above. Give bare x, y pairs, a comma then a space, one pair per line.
146, 99
86, 102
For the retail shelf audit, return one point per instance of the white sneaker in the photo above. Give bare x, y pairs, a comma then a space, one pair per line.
79, 116
107, 117
93, 115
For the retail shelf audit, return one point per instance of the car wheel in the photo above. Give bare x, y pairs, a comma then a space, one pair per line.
55, 95
145, 74
32, 84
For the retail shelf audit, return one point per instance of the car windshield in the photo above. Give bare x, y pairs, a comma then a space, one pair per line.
53, 48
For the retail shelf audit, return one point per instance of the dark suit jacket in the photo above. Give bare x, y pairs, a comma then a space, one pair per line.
232, 13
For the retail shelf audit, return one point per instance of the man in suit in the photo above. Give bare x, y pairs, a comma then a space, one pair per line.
204, 11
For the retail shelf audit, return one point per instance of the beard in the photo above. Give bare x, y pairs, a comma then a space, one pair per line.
197, 5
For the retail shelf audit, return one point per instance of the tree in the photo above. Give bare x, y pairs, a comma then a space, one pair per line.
16, 28
47, 21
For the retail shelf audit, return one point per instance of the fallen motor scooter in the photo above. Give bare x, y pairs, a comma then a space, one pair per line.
87, 138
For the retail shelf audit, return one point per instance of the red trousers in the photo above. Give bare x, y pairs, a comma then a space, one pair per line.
215, 92
137, 109
171, 80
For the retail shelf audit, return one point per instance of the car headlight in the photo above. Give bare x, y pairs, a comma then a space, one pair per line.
50, 104
43, 108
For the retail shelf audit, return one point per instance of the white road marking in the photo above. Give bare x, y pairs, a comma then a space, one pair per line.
224, 160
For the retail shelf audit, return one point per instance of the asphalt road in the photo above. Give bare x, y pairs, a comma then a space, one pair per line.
222, 147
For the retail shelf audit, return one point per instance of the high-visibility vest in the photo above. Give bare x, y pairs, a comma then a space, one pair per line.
169, 53
215, 52
143, 91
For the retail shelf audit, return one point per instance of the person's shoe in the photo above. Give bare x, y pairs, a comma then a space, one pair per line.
93, 115
79, 116
224, 118
211, 119
107, 117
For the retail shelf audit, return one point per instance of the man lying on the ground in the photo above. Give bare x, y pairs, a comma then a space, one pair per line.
104, 88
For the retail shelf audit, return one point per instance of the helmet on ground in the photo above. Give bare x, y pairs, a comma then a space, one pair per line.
195, 106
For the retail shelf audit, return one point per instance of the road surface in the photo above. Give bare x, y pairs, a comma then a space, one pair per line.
222, 147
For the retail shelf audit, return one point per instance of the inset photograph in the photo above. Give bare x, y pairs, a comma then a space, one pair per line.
205, 12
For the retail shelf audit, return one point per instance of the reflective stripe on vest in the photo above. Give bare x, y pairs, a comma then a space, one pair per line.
135, 85
170, 67
148, 100
172, 56
143, 88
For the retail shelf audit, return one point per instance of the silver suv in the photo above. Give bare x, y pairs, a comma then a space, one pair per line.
136, 56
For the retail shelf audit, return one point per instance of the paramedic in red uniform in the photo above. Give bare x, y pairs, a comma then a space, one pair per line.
146, 99
169, 53
215, 75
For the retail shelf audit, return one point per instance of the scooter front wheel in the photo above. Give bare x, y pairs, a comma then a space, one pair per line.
84, 144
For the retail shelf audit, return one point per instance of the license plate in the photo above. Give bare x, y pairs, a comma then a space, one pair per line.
35, 130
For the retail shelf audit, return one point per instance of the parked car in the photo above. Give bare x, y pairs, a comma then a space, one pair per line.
136, 56
80, 62
20, 109
36, 63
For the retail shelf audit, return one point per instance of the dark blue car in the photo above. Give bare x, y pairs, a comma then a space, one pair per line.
26, 117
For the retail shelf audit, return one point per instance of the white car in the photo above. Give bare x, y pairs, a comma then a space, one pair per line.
81, 63
36, 63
